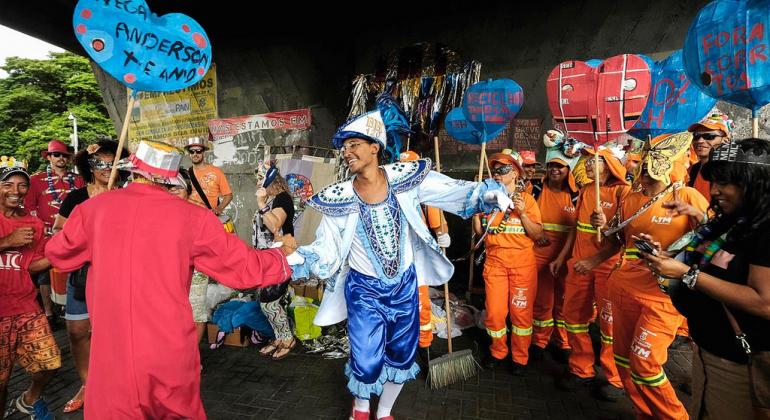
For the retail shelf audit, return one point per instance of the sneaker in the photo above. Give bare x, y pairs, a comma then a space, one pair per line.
37, 411
607, 392
517, 369
571, 382
491, 362
536, 353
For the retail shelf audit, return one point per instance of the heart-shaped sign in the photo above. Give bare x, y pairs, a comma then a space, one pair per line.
727, 51
491, 105
674, 103
141, 50
597, 104
571, 91
461, 129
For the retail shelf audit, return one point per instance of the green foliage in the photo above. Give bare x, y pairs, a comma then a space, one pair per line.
36, 99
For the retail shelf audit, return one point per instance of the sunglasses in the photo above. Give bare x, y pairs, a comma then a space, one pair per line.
99, 165
590, 162
502, 170
350, 146
195, 151
705, 136
58, 154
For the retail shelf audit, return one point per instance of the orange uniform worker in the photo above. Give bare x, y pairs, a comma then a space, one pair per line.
645, 319
586, 281
510, 272
529, 163
556, 199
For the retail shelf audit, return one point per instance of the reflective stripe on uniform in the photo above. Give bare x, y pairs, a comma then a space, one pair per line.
556, 228
585, 227
576, 328
656, 380
606, 339
521, 331
560, 323
496, 333
622, 361
543, 323
633, 254
426, 327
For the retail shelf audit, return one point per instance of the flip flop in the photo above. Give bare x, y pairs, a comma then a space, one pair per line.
269, 349
290, 347
74, 404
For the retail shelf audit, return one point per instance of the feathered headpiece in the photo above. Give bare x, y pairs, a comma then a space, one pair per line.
384, 125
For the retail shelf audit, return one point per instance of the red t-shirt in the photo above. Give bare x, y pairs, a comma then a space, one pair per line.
44, 202
17, 291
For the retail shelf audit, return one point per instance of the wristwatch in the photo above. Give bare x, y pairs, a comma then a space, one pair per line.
691, 277
264, 210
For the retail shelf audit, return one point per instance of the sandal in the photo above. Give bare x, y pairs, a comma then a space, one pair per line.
220, 339
286, 347
74, 404
269, 349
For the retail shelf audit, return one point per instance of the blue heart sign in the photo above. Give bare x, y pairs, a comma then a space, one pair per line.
141, 50
674, 103
727, 51
461, 129
490, 105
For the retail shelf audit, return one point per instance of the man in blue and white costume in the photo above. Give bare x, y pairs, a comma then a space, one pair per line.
372, 245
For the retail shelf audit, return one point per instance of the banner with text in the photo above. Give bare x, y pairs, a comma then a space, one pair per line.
175, 116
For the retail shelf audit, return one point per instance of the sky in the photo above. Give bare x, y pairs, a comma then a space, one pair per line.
14, 43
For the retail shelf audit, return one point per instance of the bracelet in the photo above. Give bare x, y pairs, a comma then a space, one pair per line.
690, 278
264, 210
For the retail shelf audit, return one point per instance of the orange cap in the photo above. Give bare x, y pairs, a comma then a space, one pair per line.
408, 156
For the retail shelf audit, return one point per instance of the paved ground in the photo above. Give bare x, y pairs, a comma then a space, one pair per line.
239, 384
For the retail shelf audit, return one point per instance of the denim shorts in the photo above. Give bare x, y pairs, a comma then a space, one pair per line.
75, 310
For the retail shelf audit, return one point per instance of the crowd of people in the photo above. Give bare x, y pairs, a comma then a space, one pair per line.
648, 244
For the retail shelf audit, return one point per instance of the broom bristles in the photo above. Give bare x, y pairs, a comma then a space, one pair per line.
451, 368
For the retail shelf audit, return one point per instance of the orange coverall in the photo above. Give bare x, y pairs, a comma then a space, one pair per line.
510, 281
558, 215
645, 319
583, 290
433, 218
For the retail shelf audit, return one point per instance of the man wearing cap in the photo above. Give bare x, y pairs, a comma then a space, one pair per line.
372, 245
47, 191
25, 336
586, 281
510, 274
210, 179
707, 134
144, 355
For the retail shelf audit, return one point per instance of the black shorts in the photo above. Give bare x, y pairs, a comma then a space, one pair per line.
43, 278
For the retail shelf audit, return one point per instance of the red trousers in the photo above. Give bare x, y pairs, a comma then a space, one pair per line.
510, 292
426, 326
581, 291
644, 329
549, 311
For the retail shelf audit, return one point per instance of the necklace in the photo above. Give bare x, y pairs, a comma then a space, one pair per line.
50, 176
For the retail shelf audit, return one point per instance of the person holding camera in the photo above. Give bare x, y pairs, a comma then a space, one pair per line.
721, 286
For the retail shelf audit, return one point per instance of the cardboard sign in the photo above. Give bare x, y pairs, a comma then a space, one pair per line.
674, 103
727, 51
490, 105
598, 104
224, 129
141, 50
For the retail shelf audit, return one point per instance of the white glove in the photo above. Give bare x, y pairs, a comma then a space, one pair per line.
499, 199
443, 240
295, 258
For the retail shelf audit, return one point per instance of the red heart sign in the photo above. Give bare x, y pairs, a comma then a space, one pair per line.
597, 104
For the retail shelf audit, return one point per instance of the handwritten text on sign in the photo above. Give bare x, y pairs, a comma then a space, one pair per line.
727, 53
141, 50
226, 128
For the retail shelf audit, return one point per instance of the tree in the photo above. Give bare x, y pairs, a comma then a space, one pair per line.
36, 99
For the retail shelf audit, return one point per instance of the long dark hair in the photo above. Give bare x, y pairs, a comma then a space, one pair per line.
752, 218
106, 147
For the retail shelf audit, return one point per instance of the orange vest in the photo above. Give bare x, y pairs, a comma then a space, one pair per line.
511, 247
